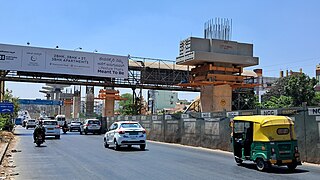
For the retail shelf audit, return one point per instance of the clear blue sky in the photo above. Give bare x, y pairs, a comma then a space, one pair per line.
285, 33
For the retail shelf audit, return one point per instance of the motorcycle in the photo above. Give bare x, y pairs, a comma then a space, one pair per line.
64, 129
39, 140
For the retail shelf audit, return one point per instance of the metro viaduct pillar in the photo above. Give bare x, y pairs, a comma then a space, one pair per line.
108, 96
2, 89
89, 101
216, 98
66, 108
76, 104
108, 109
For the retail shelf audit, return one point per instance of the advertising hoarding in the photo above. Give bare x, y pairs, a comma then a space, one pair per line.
33, 59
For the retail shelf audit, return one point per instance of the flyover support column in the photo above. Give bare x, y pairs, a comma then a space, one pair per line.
216, 98
76, 104
2, 89
89, 101
67, 108
108, 109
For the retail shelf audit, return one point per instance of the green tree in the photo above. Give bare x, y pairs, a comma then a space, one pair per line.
294, 90
276, 90
5, 119
274, 102
316, 99
126, 106
300, 88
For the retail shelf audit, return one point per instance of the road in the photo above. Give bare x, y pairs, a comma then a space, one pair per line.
77, 156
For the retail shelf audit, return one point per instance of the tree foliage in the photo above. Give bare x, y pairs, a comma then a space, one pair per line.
276, 90
243, 101
5, 119
316, 99
127, 107
282, 102
291, 91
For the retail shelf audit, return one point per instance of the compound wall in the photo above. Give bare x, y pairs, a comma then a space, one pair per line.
211, 130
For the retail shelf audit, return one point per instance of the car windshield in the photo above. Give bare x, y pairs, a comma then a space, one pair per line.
130, 125
73, 122
50, 123
93, 122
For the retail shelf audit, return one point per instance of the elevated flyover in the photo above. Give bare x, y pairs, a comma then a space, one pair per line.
143, 73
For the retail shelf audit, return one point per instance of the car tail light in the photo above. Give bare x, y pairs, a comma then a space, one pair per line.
87, 125
57, 126
144, 131
121, 132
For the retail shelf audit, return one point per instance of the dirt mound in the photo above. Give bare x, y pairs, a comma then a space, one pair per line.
7, 167
6, 136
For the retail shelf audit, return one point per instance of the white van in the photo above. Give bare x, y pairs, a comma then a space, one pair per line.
61, 119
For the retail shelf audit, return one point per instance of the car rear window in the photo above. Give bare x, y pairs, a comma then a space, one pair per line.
130, 125
31, 120
50, 123
75, 122
93, 122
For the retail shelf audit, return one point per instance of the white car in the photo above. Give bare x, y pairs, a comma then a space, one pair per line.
52, 128
74, 125
31, 123
125, 133
91, 126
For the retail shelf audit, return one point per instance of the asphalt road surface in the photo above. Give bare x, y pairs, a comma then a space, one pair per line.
76, 156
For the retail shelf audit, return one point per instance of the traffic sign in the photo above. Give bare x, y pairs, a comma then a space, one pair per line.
40, 102
6, 107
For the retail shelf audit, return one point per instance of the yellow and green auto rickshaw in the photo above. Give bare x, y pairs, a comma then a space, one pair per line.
266, 140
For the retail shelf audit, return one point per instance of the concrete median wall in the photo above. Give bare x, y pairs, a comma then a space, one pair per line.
211, 130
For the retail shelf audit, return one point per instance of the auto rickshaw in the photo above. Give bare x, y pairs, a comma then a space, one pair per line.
266, 140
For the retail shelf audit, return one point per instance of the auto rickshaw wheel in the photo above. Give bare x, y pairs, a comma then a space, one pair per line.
261, 164
238, 160
292, 166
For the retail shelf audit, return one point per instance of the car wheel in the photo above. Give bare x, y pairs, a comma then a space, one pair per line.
142, 146
129, 146
106, 145
58, 137
116, 146
85, 132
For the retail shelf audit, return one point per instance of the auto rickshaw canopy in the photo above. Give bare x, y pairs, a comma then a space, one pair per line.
270, 128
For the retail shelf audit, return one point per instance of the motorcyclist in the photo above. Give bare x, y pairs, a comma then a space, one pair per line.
65, 125
39, 129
